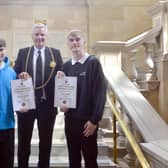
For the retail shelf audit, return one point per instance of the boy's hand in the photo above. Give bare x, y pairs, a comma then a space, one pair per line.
24, 75
60, 74
89, 129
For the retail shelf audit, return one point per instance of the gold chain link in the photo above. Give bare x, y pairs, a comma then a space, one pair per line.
52, 71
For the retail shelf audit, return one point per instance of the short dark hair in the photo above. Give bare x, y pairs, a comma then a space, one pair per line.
2, 43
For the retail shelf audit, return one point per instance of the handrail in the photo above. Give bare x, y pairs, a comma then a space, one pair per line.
115, 153
143, 161
130, 44
146, 36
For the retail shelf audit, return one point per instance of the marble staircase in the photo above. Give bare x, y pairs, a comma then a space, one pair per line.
59, 158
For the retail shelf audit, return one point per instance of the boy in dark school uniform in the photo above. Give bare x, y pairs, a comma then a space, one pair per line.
81, 123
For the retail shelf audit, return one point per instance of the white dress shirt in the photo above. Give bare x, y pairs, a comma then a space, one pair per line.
35, 55
82, 60
2, 65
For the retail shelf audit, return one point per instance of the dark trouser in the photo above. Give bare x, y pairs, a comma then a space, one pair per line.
77, 143
7, 148
45, 123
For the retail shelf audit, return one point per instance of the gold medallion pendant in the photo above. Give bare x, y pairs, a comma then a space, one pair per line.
52, 64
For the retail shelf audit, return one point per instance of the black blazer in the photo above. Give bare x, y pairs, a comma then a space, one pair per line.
20, 66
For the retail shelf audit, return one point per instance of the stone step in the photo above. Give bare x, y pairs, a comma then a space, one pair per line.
59, 148
121, 150
58, 133
59, 156
62, 162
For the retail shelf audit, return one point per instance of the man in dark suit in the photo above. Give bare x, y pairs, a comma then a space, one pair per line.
41, 64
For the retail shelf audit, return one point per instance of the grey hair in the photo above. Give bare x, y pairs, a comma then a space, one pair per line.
40, 26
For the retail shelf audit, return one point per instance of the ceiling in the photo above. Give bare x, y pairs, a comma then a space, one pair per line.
42, 2
54, 2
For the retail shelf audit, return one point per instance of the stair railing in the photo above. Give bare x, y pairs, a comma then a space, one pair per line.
137, 118
135, 146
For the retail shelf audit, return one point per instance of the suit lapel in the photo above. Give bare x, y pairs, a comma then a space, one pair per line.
30, 63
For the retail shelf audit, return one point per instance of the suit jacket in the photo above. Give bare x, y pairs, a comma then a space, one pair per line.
20, 65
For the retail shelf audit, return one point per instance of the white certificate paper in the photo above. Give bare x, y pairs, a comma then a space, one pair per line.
23, 94
65, 91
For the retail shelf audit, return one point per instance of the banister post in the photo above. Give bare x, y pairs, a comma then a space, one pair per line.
149, 51
133, 71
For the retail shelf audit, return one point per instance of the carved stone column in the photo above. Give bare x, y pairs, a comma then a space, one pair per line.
149, 50
163, 91
133, 71
159, 14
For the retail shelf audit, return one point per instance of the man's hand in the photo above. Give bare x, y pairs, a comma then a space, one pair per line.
89, 129
64, 108
23, 110
24, 75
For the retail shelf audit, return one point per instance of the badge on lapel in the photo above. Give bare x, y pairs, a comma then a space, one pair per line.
52, 64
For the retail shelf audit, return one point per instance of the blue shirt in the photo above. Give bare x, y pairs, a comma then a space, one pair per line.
6, 109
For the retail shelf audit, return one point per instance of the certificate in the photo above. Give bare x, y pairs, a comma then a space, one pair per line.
65, 91
23, 94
